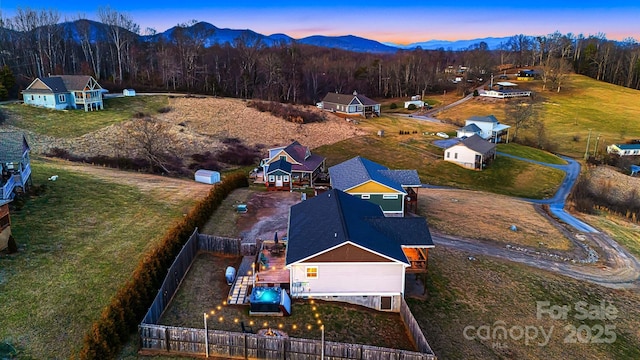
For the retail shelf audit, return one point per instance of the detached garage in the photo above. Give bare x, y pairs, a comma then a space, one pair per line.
207, 176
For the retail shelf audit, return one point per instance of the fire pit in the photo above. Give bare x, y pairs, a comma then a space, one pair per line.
272, 332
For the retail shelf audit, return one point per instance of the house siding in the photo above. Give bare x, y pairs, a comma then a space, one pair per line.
465, 156
388, 205
348, 279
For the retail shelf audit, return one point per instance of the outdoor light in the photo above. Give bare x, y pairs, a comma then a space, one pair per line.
308, 327
235, 320
220, 319
265, 324
294, 326
280, 326
219, 307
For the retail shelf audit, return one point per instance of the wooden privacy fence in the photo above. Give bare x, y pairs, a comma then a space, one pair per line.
158, 339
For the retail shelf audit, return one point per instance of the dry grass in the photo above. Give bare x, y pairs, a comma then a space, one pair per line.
616, 185
487, 216
224, 117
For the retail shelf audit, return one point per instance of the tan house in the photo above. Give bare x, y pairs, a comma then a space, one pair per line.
472, 153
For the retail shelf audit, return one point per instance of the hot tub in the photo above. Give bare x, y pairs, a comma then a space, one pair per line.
269, 300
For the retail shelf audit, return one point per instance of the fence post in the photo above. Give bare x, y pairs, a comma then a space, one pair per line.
246, 356
167, 338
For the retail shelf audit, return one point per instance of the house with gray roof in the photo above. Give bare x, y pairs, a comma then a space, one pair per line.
342, 248
14, 164
395, 191
490, 128
62, 92
305, 166
472, 153
355, 104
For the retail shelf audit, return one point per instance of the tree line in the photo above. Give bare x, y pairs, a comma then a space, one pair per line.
37, 43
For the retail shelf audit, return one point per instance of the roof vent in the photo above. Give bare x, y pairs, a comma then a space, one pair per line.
355, 93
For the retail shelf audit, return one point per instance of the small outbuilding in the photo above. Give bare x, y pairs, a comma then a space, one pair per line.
129, 92
207, 176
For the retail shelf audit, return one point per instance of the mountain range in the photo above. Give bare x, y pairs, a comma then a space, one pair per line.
211, 35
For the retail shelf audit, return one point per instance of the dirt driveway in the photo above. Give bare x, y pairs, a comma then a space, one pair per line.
268, 212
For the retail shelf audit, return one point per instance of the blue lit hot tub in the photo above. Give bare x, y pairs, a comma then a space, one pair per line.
269, 300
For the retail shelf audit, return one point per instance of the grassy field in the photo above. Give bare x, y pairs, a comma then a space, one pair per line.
491, 293
530, 153
414, 151
611, 112
79, 241
70, 124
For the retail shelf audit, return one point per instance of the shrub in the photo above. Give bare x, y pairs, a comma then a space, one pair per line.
3, 117
165, 109
139, 115
475, 93
412, 107
393, 106
287, 112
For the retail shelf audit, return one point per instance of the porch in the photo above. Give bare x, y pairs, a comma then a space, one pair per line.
411, 201
12, 179
418, 258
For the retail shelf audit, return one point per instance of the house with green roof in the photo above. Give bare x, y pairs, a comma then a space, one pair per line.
62, 92
395, 191
343, 248
14, 163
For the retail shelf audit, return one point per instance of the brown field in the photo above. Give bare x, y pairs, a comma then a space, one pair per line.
221, 118
480, 215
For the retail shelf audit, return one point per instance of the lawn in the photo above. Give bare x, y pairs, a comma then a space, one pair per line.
611, 112
504, 176
74, 123
79, 241
530, 153
486, 293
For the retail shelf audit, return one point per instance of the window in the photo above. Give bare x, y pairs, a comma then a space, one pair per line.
385, 303
283, 157
390, 196
455, 155
312, 272
62, 98
272, 178
448, 154
365, 196
286, 178
32, 98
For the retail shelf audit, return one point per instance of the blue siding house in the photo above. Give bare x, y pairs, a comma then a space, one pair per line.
63, 92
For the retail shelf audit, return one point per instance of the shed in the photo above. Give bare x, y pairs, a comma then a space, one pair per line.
207, 176
129, 92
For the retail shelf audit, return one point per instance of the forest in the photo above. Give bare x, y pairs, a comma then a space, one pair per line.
38, 43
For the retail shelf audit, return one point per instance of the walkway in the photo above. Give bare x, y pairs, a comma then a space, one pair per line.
244, 279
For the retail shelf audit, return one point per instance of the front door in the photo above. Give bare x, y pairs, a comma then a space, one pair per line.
279, 180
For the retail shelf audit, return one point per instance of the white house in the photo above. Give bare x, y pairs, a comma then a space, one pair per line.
343, 248
473, 153
624, 149
490, 128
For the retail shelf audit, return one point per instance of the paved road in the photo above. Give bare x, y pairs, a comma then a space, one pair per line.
605, 262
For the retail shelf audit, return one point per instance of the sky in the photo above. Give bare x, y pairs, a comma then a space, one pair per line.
401, 22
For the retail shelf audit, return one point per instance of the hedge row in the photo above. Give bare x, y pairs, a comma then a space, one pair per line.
121, 317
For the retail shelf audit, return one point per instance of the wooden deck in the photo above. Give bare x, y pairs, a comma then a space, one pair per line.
272, 271
418, 258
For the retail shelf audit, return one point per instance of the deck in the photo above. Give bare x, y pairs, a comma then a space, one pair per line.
271, 270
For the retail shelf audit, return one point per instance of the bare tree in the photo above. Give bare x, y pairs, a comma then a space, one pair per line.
522, 113
153, 140
121, 26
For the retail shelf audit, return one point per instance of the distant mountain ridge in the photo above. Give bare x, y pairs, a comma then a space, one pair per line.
211, 35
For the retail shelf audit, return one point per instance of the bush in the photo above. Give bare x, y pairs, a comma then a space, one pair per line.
165, 109
412, 107
287, 112
12, 246
475, 93
393, 106
3, 117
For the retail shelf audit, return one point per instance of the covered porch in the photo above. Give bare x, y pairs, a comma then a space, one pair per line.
411, 200
418, 258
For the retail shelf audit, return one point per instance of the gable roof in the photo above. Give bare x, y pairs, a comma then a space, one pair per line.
470, 128
335, 218
477, 144
13, 144
301, 154
62, 83
280, 164
359, 170
489, 119
344, 99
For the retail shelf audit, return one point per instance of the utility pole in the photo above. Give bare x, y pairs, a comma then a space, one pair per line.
595, 148
586, 151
